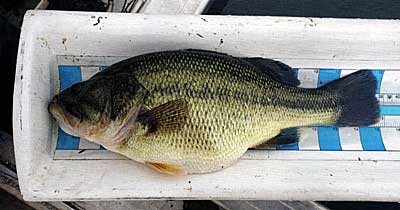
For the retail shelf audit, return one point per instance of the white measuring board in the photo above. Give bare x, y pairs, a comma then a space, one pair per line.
358, 163
326, 138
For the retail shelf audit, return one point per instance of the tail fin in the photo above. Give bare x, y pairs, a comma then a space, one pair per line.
358, 105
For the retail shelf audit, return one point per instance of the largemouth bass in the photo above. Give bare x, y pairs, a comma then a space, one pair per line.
196, 111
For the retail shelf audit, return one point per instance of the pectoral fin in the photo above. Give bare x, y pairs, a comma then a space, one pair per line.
167, 117
167, 168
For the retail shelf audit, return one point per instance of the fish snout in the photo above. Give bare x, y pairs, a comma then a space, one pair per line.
53, 107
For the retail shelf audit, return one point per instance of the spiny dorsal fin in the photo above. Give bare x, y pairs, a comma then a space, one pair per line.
166, 117
205, 51
287, 136
275, 69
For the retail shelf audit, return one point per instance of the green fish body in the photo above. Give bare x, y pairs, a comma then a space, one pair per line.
200, 110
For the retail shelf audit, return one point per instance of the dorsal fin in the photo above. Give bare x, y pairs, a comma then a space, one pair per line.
276, 70
205, 51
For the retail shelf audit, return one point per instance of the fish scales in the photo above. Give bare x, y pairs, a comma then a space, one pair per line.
233, 106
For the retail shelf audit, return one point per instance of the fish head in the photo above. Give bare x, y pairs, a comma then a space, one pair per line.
98, 109
81, 108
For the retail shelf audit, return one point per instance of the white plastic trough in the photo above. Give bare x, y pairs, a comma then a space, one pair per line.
329, 164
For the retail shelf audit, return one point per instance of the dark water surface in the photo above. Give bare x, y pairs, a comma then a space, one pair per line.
374, 9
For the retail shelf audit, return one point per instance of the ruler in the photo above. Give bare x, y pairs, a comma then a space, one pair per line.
388, 121
389, 99
390, 110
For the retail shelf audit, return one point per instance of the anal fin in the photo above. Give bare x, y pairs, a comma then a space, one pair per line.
287, 136
167, 168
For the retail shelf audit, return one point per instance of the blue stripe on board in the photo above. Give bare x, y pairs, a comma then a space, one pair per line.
389, 110
329, 139
327, 75
66, 141
378, 74
371, 139
69, 75
102, 67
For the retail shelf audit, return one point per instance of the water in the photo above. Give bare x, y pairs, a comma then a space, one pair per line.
373, 9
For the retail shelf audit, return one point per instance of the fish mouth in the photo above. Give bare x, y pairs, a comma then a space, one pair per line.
67, 124
55, 109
